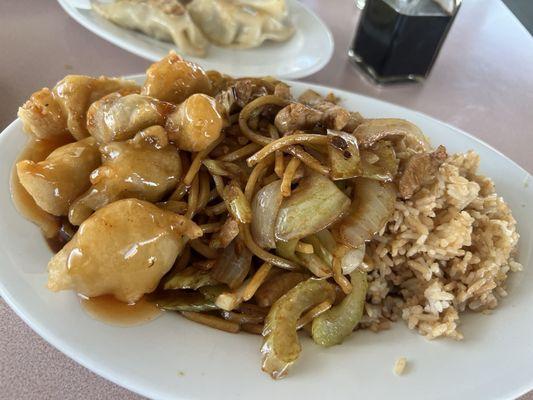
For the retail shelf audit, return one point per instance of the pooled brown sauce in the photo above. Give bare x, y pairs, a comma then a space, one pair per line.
111, 311
63, 236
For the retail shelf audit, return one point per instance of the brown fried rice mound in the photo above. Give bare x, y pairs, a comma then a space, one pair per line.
447, 249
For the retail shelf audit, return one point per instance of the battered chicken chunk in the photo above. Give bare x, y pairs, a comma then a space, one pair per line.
196, 123
173, 79
123, 250
420, 169
42, 116
75, 93
117, 117
57, 181
62, 110
146, 167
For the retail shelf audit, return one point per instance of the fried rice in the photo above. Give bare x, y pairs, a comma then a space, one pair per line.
446, 250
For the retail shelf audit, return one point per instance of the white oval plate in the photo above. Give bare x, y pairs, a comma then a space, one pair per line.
305, 53
173, 358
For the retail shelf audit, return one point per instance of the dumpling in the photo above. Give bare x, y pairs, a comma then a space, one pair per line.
116, 117
75, 93
146, 167
57, 181
276, 8
196, 123
43, 117
123, 249
227, 23
165, 20
173, 79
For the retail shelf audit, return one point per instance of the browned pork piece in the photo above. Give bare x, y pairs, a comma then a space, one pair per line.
241, 91
373, 130
420, 169
173, 79
297, 116
334, 116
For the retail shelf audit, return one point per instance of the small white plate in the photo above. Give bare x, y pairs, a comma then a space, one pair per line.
173, 358
306, 52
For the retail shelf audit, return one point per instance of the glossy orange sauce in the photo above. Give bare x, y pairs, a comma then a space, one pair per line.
103, 308
109, 310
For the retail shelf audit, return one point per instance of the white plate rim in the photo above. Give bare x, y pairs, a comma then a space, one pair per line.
122, 379
132, 48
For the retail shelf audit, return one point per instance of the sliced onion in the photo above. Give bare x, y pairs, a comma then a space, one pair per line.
236, 203
287, 250
373, 130
386, 166
233, 265
343, 153
327, 240
371, 209
265, 207
352, 259
314, 205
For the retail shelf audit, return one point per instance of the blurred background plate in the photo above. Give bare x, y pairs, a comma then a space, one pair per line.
306, 52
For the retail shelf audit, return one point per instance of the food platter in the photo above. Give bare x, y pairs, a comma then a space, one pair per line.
305, 53
171, 357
